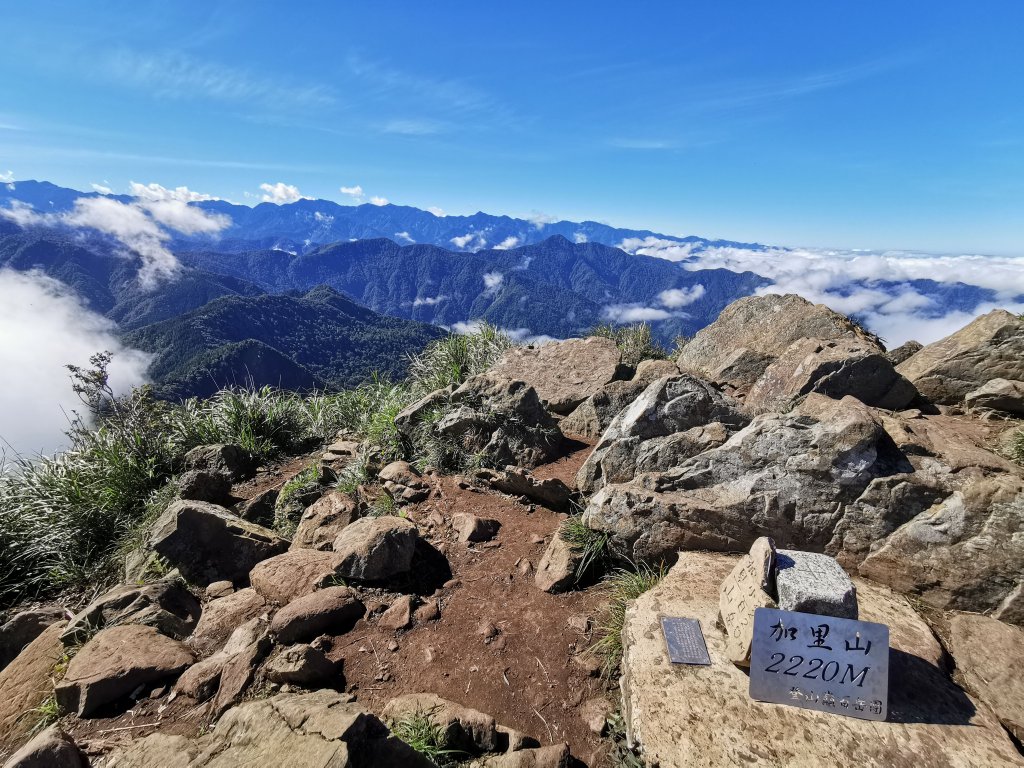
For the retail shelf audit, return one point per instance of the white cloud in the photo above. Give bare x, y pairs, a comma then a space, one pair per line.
518, 335
281, 193
508, 242
157, 193
404, 236
579, 237
377, 200
324, 218
463, 240
674, 298
7, 177
356, 192
540, 220
633, 313
103, 189
171, 208
439, 212
140, 226
428, 301
471, 240
492, 282
44, 327
669, 250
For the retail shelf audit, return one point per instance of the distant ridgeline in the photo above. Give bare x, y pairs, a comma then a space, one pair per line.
216, 323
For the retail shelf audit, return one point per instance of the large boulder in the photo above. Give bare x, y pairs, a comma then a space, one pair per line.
564, 373
221, 616
294, 574
117, 661
24, 627
376, 548
208, 543
332, 610
703, 716
323, 729
166, 605
228, 671
835, 368
990, 347
323, 520
669, 405
988, 656
504, 421
466, 729
790, 477
998, 395
593, 416
965, 552
218, 458
26, 682
751, 332
403, 483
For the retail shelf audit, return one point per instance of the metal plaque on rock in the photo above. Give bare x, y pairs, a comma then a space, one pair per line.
685, 641
820, 662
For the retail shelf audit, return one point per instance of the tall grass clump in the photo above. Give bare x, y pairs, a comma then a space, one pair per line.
592, 547
635, 342
623, 586
452, 360
420, 732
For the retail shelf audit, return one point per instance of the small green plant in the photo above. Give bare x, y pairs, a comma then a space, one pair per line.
351, 477
383, 506
592, 546
420, 732
1017, 446
620, 755
294, 497
635, 342
623, 586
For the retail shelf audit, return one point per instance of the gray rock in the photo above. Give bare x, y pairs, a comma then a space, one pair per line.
260, 508
809, 582
835, 368
465, 728
24, 627
50, 748
990, 347
324, 519
375, 548
166, 605
303, 665
593, 416
200, 485
998, 395
751, 332
515, 481
332, 610
409, 417
403, 483
469, 527
208, 543
564, 373
904, 352
669, 405
557, 569
231, 460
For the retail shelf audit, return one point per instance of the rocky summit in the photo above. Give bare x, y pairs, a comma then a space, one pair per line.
562, 558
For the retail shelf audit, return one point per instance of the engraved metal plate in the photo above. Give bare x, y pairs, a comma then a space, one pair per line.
685, 641
820, 662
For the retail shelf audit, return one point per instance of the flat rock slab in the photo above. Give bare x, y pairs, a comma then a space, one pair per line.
745, 589
703, 716
26, 682
810, 582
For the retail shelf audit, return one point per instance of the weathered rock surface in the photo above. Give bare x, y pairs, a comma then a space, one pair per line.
466, 728
398, 615
670, 405
748, 586
998, 395
322, 729
24, 627
220, 618
834, 368
293, 574
553, 756
964, 552
563, 373
703, 716
248, 642
117, 661
220, 458
403, 483
751, 332
789, 476
26, 683
810, 582
208, 543
303, 665
550, 492
556, 571
988, 655
505, 420
468, 527
990, 347
166, 605
593, 416
50, 748
375, 548
904, 352
332, 610
323, 520
196, 485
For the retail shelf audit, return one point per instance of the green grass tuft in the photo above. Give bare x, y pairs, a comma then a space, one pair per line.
1017, 446
452, 360
426, 737
623, 587
293, 499
592, 545
635, 342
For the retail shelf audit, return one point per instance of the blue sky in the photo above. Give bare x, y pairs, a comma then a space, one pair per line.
854, 125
